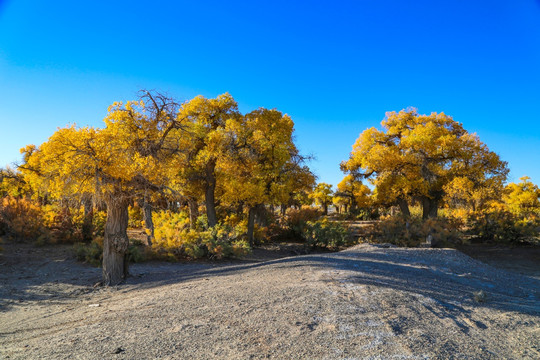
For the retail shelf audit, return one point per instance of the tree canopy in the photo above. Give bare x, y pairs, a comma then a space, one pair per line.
205, 157
191, 152
415, 157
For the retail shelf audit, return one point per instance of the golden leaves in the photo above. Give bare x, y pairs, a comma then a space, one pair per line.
417, 155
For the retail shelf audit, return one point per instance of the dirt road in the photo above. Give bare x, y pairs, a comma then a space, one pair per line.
369, 302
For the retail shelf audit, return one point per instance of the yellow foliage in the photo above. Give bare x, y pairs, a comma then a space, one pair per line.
264, 166
173, 235
21, 218
523, 199
419, 156
356, 193
322, 194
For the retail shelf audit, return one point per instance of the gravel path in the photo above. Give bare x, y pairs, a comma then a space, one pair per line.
369, 302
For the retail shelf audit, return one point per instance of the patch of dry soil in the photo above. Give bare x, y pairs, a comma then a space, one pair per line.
368, 302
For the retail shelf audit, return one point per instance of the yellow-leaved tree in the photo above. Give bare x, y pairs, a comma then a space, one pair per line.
322, 195
262, 165
12, 183
523, 199
197, 173
353, 192
116, 163
414, 158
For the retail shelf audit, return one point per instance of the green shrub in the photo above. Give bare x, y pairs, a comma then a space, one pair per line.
326, 234
92, 253
367, 214
135, 254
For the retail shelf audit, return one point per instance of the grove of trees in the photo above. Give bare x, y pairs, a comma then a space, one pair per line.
203, 179
421, 158
201, 152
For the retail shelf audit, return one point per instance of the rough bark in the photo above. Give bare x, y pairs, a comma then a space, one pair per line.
325, 208
148, 223
353, 206
115, 244
210, 195
433, 209
429, 208
404, 207
193, 212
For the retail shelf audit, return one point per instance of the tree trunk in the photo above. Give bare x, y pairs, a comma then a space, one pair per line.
404, 207
325, 208
148, 223
260, 215
210, 194
429, 208
115, 244
193, 212
251, 225
210, 206
433, 208
283, 210
87, 226
352, 208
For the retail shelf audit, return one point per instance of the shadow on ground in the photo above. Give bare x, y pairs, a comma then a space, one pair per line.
448, 277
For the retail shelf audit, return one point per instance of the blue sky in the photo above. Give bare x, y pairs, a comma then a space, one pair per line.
335, 67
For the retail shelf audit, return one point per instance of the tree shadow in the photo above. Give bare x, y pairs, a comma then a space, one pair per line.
447, 277
450, 278
37, 274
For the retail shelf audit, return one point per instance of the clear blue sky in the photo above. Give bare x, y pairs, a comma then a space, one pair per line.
335, 67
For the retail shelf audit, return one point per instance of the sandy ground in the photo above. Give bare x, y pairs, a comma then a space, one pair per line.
369, 302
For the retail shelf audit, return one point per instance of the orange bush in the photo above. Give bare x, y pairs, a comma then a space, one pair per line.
21, 218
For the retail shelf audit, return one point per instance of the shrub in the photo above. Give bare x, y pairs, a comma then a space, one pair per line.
223, 241
413, 231
135, 253
296, 220
21, 218
173, 235
480, 296
92, 253
367, 214
167, 225
64, 223
326, 234
500, 225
